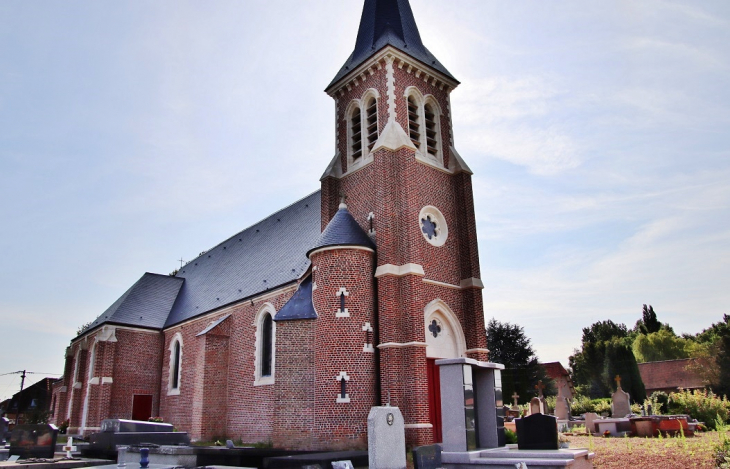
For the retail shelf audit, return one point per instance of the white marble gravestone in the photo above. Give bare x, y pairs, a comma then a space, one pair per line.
386, 438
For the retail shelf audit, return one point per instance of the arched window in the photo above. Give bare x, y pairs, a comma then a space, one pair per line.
414, 122
176, 346
356, 133
265, 360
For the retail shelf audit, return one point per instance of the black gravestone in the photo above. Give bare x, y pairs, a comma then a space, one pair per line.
34, 441
538, 431
427, 457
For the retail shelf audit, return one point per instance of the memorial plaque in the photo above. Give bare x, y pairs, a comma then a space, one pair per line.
34, 441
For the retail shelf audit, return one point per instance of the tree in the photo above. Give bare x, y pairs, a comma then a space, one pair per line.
648, 324
509, 346
711, 352
606, 352
660, 345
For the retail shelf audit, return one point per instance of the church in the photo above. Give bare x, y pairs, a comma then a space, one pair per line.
288, 332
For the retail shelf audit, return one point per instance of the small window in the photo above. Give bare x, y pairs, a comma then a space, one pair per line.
265, 355
176, 366
431, 130
356, 132
371, 111
266, 349
413, 122
176, 350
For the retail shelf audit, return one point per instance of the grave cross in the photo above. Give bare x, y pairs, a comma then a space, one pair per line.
514, 397
539, 386
618, 381
181, 262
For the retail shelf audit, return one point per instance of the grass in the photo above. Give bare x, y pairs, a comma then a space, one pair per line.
665, 453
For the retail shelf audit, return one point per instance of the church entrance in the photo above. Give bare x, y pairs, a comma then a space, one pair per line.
142, 407
444, 339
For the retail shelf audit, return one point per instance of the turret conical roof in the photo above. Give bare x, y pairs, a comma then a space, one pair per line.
388, 22
342, 230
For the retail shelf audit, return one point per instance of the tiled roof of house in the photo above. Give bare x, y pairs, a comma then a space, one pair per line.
388, 22
555, 369
669, 374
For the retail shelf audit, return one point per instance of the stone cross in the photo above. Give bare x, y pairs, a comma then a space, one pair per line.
618, 381
539, 386
514, 398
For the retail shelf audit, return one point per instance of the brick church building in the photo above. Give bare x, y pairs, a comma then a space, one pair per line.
291, 330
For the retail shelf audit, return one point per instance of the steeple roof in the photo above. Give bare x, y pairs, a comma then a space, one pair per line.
342, 230
388, 22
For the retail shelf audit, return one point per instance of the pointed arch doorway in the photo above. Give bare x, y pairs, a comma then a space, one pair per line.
444, 339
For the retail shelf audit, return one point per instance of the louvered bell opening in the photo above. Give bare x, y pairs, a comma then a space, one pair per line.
355, 130
431, 142
372, 123
413, 127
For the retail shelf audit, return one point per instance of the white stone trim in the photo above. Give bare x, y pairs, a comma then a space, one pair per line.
107, 334
442, 228
340, 313
94, 380
402, 345
87, 396
265, 309
399, 271
107, 380
76, 385
338, 378
174, 391
472, 282
367, 346
332, 248
438, 309
418, 425
441, 284
63, 389
476, 350
390, 52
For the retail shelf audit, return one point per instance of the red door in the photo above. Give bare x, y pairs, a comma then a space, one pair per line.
141, 407
434, 398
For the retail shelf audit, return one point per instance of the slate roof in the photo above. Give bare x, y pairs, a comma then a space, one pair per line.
342, 230
265, 256
300, 305
388, 22
147, 303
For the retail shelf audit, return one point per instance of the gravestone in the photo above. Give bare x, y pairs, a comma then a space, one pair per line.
537, 406
34, 441
386, 438
4, 422
537, 431
427, 457
562, 411
591, 418
621, 401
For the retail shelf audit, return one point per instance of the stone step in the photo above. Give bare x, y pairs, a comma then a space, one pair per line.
501, 458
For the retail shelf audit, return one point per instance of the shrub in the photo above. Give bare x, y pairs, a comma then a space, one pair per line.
602, 405
583, 404
702, 405
659, 401
510, 437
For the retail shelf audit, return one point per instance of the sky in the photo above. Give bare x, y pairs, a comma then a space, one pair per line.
134, 134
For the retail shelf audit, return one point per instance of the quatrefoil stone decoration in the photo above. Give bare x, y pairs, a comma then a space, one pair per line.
434, 328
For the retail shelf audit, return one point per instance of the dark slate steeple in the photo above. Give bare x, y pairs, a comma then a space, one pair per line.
342, 230
388, 22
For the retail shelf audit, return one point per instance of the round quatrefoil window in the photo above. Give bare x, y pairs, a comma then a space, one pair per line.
433, 225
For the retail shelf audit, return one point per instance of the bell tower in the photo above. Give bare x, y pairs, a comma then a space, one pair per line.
411, 192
